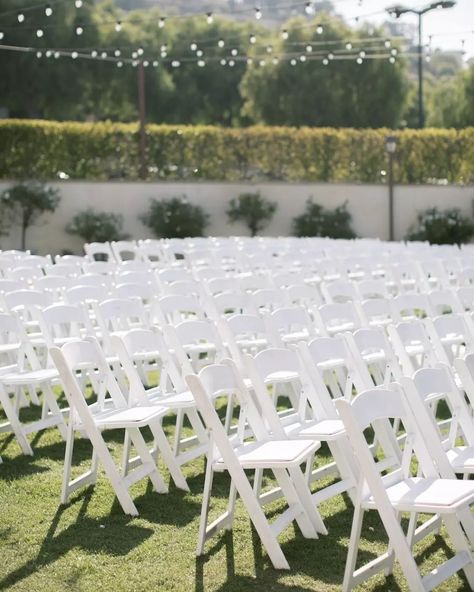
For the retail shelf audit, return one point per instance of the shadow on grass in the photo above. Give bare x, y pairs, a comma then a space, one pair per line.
119, 539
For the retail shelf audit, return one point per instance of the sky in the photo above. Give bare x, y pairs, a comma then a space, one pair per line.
448, 27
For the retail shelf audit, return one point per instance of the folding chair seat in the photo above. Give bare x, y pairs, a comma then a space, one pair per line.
399, 491
444, 301
109, 412
282, 457
21, 373
208, 274
372, 289
466, 276
7, 285
285, 279
69, 259
412, 346
339, 291
289, 325
337, 317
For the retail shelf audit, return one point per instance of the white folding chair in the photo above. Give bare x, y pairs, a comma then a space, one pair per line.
412, 346
337, 317
282, 457
109, 412
399, 491
289, 325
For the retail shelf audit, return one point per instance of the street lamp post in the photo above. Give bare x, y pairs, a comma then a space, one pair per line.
390, 149
397, 11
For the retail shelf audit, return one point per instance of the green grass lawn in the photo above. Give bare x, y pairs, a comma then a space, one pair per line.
90, 544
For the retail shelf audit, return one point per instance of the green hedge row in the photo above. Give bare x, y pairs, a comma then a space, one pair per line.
98, 151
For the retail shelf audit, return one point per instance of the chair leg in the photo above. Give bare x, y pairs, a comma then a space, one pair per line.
461, 544
126, 453
67, 463
168, 456
206, 498
353, 548
15, 422
50, 400
178, 428
145, 456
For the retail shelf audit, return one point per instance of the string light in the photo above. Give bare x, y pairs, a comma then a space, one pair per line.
262, 63
135, 63
103, 55
223, 62
252, 39
193, 46
74, 55
49, 53
387, 43
392, 60
119, 64
79, 30
309, 48
117, 53
78, 3
269, 48
56, 55
39, 33
231, 63
359, 60
293, 62
308, 8
320, 29
428, 58
175, 63
330, 56
48, 11
199, 53
146, 63
161, 22
39, 54
155, 64
140, 51
94, 53
118, 26
302, 58
362, 54
249, 61
349, 46
258, 13
2, 35
220, 43
234, 52
284, 34
201, 63
394, 51
134, 55
275, 60
209, 18
21, 17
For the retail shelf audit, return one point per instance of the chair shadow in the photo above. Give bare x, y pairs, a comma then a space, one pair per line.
118, 538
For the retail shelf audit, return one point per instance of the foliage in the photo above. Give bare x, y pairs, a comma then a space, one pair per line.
320, 221
252, 209
94, 226
110, 150
25, 202
442, 227
452, 101
175, 218
370, 94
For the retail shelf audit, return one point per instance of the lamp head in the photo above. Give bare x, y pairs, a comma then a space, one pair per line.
391, 144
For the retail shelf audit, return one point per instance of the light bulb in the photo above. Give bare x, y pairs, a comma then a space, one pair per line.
325, 62
428, 59
201, 63
193, 46
161, 22
140, 51
387, 43
362, 54
49, 53
309, 48
79, 30
163, 54
319, 29
209, 18
262, 63
2, 35
48, 11
163, 47
234, 52
175, 63
258, 13
392, 60
330, 56
349, 45
38, 54
135, 63
275, 60
394, 51
74, 55
302, 58
231, 63
103, 55
221, 43
156, 63
39, 33
284, 34
94, 53
293, 62
119, 64
269, 48
117, 53
134, 55
359, 60
146, 63
249, 61
20, 17
56, 54
252, 39
223, 62
308, 8
199, 53
78, 3
118, 26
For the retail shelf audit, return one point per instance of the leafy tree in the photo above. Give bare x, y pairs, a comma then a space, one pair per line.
341, 93
317, 220
24, 203
441, 227
252, 209
175, 218
100, 227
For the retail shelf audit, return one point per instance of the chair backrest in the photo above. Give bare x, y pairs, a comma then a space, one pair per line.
337, 317
143, 292
290, 324
124, 250
99, 251
339, 291
371, 288
173, 310
412, 346
465, 370
64, 322
84, 294
445, 301
119, 314
410, 306
376, 312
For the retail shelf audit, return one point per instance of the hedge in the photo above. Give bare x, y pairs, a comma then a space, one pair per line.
99, 151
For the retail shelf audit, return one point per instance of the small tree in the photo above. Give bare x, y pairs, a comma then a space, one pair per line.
252, 209
99, 227
437, 227
24, 203
175, 218
317, 220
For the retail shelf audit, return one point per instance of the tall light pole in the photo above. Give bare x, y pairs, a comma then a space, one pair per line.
397, 11
391, 148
